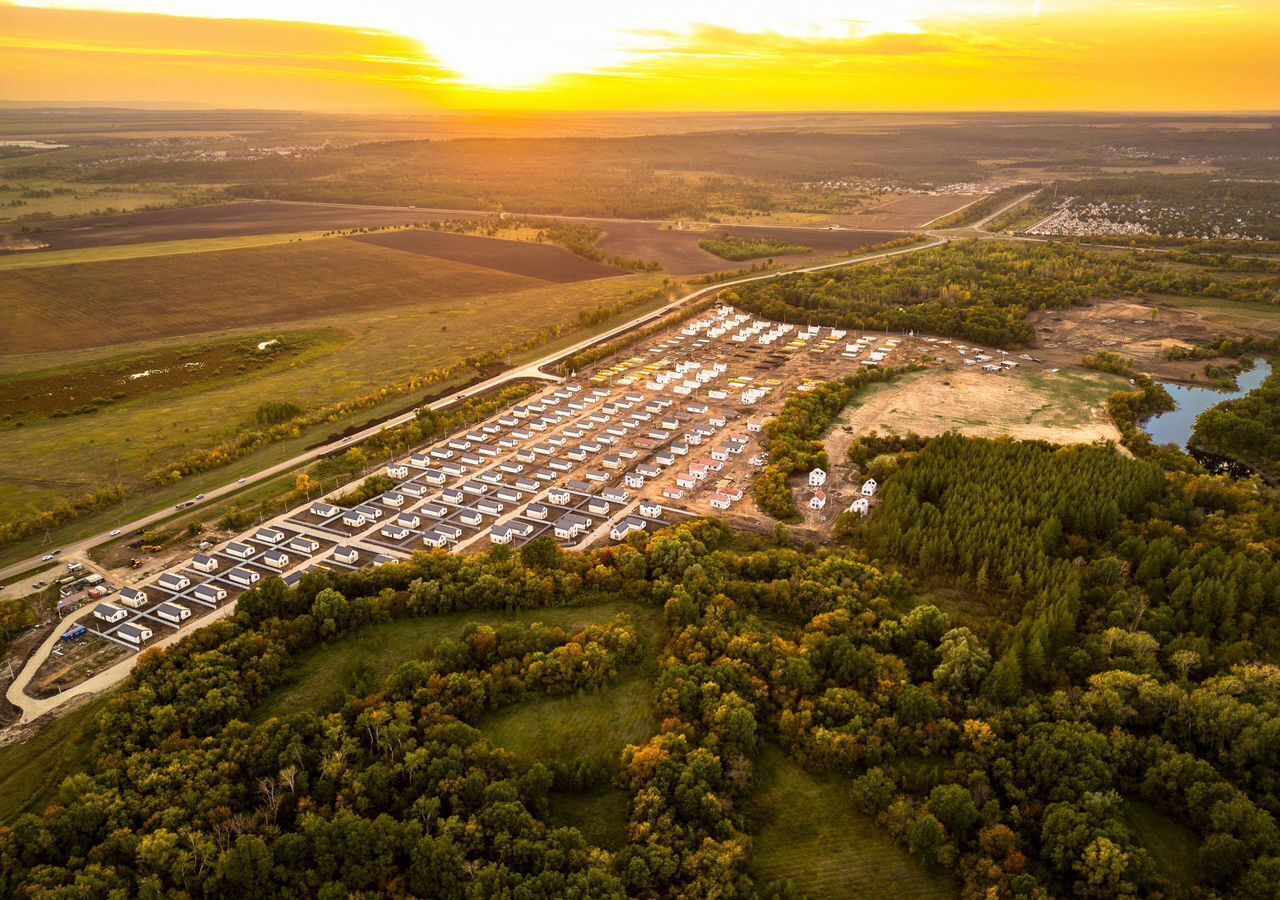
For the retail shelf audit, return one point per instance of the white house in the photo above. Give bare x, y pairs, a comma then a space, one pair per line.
571, 525
621, 529
719, 500
354, 518
276, 559
134, 634
650, 509
817, 478
238, 550
348, 555
204, 563
323, 510
860, 506
869, 487
500, 534
172, 581
173, 613
269, 535
395, 532
434, 539
818, 500
133, 597
109, 613
397, 471
304, 544
209, 593
243, 577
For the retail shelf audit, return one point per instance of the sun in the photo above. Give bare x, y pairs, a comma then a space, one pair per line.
523, 46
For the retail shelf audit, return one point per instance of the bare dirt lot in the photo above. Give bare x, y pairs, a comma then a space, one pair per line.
678, 252
544, 261
907, 211
1145, 330
1064, 407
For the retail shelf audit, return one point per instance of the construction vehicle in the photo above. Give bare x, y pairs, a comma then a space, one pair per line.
151, 548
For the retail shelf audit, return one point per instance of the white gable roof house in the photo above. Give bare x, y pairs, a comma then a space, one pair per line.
860, 506
869, 487
817, 478
818, 501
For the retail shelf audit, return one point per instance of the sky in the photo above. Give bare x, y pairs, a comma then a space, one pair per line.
647, 55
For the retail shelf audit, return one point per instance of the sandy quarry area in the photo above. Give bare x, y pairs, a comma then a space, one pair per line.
1062, 407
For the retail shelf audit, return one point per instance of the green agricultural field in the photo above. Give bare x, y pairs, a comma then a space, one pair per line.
590, 727
30, 771
325, 676
812, 835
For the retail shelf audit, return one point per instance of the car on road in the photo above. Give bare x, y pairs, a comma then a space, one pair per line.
241, 481
46, 557
199, 496
38, 585
115, 533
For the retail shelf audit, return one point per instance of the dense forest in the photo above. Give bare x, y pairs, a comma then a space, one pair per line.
979, 291
1122, 657
1246, 429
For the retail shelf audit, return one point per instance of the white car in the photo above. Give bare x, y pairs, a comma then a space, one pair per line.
46, 557
241, 481
116, 533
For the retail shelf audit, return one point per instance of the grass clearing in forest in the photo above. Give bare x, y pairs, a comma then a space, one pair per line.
812, 834
1174, 847
586, 726
323, 677
601, 815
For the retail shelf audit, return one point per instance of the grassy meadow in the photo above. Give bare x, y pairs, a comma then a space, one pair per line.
588, 727
812, 835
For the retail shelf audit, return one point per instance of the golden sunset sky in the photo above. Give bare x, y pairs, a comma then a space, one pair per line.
647, 54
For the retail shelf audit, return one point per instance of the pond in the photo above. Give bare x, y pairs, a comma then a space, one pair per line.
1175, 426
